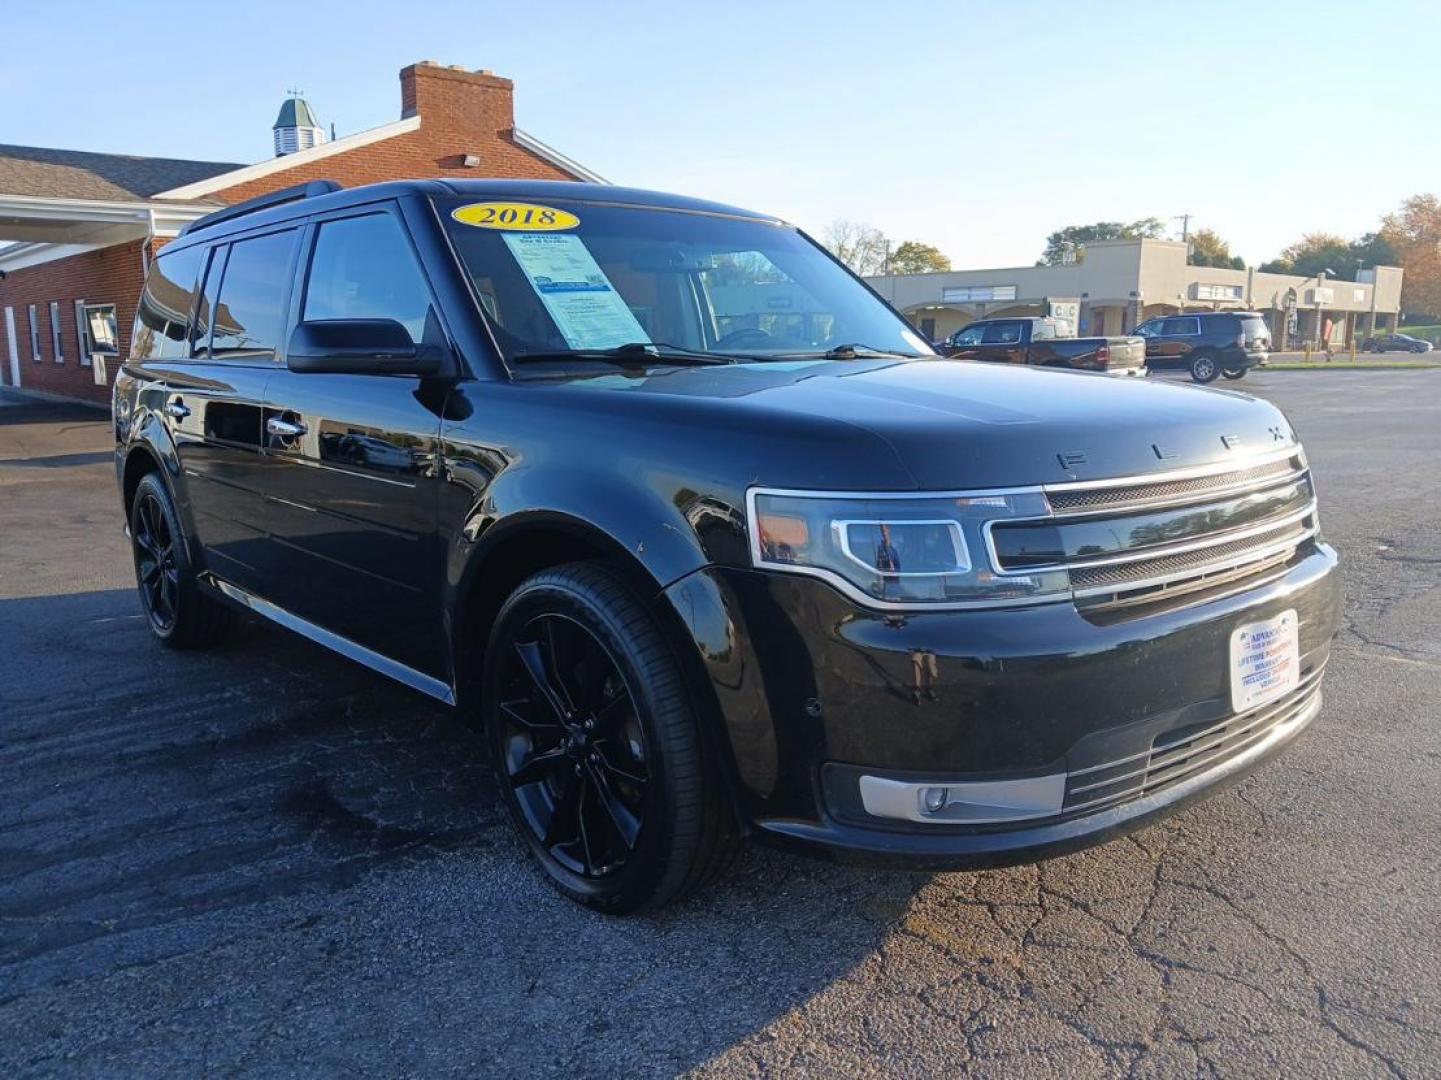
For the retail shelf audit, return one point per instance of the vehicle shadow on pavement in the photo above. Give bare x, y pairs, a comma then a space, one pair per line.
262, 856
164, 807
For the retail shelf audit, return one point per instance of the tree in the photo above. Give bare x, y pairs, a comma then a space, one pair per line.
914, 257
860, 246
1374, 249
1414, 234
1209, 249
1064, 245
1313, 253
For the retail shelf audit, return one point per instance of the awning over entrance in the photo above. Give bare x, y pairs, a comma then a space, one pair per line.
36, 229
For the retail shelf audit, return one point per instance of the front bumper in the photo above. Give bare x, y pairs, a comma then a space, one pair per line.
815, 692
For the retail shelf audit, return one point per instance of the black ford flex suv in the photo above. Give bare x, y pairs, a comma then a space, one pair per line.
705, 537
1207, 344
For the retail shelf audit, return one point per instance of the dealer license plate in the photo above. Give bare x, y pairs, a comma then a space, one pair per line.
1265, 661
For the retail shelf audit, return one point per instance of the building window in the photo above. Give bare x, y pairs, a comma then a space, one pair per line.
34, 313
1206, 290
97, 330
57, 350
967, 294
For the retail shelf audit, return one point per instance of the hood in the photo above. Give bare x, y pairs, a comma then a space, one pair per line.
956, 424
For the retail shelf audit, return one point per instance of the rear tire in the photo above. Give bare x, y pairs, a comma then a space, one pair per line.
1234, 373
179, 614
1204, 368
596, 747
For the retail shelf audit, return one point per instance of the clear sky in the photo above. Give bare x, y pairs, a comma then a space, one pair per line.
979, 127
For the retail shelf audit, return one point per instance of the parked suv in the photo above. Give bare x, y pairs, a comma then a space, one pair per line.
704, 537
1207, 344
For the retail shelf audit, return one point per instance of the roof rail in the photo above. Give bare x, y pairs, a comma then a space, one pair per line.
263, 202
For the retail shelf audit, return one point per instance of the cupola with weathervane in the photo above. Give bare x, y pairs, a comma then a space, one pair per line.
296, 127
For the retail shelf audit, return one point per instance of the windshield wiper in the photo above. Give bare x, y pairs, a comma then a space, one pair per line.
854, 350
632, 353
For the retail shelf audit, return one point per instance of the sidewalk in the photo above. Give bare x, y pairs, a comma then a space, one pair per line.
1341, 361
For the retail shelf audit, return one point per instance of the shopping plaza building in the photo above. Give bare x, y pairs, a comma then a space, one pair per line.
1116, 284
77, 229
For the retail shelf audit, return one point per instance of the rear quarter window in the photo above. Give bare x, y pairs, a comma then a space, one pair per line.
162, 322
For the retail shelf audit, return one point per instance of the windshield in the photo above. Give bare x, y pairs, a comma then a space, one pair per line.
574, 276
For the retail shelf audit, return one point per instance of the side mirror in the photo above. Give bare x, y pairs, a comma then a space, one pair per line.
360, 347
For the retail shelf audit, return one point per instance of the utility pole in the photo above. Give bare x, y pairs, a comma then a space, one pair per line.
1185, 220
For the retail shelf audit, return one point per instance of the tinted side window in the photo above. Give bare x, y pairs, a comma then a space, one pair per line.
200, 340
363, 268
161, 322
249, 314
1181, 327
971, 335
1002, 334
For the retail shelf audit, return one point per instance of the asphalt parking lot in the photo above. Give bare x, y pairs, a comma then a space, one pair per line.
265, 860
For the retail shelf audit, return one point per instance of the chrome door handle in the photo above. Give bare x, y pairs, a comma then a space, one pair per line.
286, 429
177, 410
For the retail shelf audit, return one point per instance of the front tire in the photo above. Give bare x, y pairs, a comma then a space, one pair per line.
179, 614
596, 747
1204, 368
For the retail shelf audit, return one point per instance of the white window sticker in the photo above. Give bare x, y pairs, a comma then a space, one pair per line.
587, 310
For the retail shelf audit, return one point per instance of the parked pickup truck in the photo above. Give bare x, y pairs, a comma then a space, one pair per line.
1045, 342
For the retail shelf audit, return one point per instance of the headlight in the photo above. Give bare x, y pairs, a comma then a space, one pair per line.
912, 550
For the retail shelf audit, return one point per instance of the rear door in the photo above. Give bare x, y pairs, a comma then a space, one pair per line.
210, 401
352, 487
1178, 335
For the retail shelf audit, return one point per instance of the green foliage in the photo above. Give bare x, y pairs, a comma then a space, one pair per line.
1074, 238
1341, 258
1425, 333
1209, 249
914, 257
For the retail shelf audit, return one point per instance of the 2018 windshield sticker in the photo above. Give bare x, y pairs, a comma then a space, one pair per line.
585, 306
517, 216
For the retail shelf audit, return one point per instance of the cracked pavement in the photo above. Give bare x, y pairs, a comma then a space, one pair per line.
265, 860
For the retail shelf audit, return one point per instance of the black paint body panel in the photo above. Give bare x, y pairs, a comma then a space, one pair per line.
382, 522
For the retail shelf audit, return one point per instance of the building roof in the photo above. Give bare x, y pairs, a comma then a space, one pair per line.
78, 174
295, 113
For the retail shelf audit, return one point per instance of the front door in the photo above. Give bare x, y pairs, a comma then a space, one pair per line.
14, 347
353, 480
1001, 343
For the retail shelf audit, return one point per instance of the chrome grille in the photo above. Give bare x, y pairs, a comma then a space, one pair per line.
1184, 752
1076, 499
1283, 540
1135, 541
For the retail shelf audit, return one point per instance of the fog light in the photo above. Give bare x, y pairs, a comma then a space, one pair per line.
964, 802
933, 800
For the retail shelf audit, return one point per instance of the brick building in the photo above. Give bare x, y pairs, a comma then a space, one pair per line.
77, 229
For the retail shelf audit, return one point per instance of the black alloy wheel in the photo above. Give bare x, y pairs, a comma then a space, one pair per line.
178, 613
596, 745
1204, 368
572, 745
155, 561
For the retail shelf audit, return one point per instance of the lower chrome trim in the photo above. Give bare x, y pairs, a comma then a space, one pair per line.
416, 680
